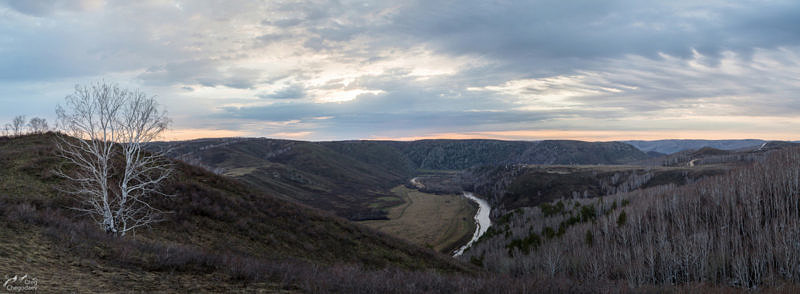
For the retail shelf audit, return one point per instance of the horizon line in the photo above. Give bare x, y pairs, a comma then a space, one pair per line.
473, 138
514, 135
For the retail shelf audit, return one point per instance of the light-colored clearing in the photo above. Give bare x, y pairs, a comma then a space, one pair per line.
436, 221
238, 172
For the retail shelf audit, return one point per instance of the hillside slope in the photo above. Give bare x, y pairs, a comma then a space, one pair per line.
579, 152
672, 146
218, 233
462, 154
710, 156
515, 186
353, 178
740, 229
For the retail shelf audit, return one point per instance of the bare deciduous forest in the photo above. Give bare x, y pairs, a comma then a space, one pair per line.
741, 229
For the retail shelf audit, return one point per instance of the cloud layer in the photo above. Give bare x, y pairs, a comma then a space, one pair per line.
378, 69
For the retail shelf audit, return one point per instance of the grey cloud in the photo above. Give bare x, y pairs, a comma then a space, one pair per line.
283, 23
345, 120
74, 43
182, 72
238, 83
295, 91
45, 7
272, 38
205, 72
618, 43
35, 8
316, 43
530, 32
407, 106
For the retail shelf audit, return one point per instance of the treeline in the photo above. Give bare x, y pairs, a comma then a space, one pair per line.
21, 126
463, 154
741, 229
510, 187
710, 156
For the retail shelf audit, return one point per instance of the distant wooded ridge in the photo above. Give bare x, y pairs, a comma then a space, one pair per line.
662, 146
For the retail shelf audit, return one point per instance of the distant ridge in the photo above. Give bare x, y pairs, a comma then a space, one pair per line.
462, 154
677, 145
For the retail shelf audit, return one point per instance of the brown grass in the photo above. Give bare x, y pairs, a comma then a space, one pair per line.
436, 221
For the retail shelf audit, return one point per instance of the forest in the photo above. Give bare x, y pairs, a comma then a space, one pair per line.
741, 229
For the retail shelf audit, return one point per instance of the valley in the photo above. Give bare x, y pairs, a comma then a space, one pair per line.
218, 235
440, 222
279, 215
410, 147
353, 179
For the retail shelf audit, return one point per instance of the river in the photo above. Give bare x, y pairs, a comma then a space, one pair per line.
481, 220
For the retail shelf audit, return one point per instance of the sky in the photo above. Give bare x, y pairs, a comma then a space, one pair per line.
340, 70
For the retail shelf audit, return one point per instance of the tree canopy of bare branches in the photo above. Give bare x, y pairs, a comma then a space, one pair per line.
16, 127
740, 229
38, 125
105, 128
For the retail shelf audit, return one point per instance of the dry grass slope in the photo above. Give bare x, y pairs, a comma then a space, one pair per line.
220, 234
440, 222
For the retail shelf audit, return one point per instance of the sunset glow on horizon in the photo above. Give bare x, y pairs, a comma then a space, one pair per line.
531, 135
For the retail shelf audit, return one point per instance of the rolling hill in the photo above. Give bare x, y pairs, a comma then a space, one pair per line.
225, 235
219, 234
353, 178
462, 154
516, 186
672, 146
709, 155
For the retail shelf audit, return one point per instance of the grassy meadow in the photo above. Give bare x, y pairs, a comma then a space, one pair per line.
428, 219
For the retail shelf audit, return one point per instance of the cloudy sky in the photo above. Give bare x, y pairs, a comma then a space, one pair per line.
528, 70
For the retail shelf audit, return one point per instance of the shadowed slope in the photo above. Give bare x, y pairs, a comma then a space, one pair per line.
215, 225
353, 178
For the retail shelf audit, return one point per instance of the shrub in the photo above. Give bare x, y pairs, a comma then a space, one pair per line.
588, 212
532, 241
622, 218
549, 232
589, 238
551, 210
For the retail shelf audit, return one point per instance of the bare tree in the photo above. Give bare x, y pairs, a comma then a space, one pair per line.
17, 126
142, 122
38, 125
106, 164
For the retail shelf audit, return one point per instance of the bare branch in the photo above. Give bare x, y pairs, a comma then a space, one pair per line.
105, 129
